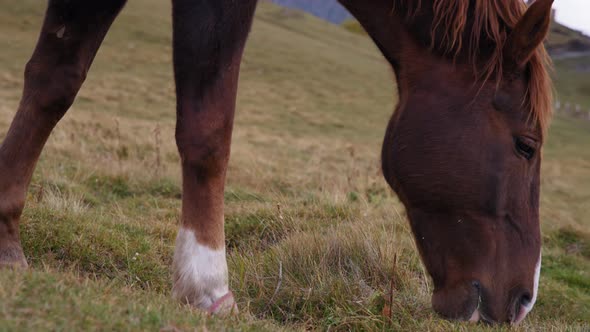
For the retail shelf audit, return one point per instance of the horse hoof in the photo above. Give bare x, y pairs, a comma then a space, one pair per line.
20, 265
224, 306
12, 258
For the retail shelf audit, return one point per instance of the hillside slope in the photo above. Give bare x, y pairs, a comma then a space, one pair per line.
312, 228
329, 10
563, 40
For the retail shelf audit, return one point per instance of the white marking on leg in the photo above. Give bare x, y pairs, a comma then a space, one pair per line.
200, 273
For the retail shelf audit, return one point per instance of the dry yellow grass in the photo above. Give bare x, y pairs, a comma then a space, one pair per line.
312, 228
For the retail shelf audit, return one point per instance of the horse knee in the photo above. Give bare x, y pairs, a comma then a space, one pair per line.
53, 88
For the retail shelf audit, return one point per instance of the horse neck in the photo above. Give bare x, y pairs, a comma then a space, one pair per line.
402, 32
385, 22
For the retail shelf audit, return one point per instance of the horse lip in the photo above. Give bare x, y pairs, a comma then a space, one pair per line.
521, 313
518, 314
475, 316
519, 305
478, 314
483, 317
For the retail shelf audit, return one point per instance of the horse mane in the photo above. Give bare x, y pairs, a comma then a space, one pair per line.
492, 20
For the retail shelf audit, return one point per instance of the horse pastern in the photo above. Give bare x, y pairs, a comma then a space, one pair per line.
200, 272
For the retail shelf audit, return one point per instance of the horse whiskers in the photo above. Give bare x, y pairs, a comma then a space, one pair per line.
482, 316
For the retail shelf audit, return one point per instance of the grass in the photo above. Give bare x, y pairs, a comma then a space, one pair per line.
312, 228
572, 79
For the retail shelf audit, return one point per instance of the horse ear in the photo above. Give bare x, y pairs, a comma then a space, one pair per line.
528, 33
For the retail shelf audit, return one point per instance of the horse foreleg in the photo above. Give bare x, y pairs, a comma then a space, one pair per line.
70, 36
209, 37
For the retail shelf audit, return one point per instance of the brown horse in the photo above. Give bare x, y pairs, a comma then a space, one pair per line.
462, 150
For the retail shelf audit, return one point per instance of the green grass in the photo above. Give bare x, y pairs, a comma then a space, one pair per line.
307, 207
571, 76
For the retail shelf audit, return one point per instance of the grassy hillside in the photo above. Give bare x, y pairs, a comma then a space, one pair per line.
312, 228
563, 39
329, 10
572, 76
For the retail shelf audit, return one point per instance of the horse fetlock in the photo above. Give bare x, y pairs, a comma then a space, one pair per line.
200, 275
12, 202
11, 252
11, 255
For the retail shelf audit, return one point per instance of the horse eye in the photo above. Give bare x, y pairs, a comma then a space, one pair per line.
524, 148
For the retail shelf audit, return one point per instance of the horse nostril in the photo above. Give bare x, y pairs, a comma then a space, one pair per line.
476, 285
525, 299
520, 303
